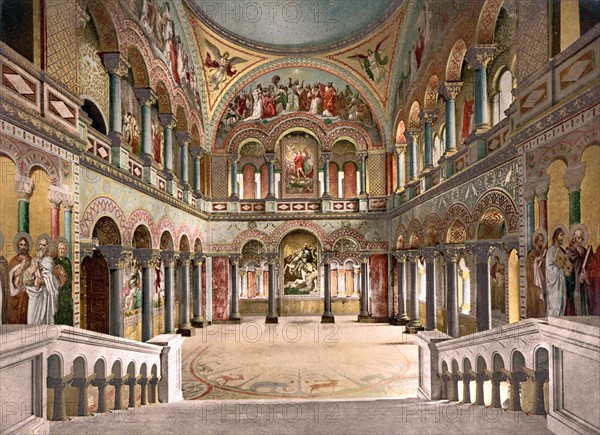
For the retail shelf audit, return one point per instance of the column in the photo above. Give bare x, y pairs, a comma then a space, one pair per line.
364, 288
484, 299
272, 314
197, 154
68, 222
58, 386
363, 173
480, 379
243, 273
356, 289
450, 90
147, 99
148, 259
185, 327
233, 159
169, 122
452, 293
259, 282
326, 156
402, 318
428, 117
117, 258
143, 382
478, 58
431, 290
101, 383
117, 67
327, 317
413, 169
82, 385
198, 321
400, 150
169, 258
528, 198
131, 382
55, 195
541, 191
573, 178
184, 138
515, 379
341, 281
153, 388
540, 377
496, 378
414, 325
270, 159
453, 387
235, 294
118, 384
24, 187
466, 379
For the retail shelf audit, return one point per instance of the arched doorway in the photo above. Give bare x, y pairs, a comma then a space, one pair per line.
96, 281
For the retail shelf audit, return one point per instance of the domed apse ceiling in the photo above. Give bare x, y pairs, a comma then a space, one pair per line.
299, 27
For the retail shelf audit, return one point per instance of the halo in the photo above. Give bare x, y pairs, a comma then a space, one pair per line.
543, 233
18, 237
555, 227
584, 230
51, 245
63, 240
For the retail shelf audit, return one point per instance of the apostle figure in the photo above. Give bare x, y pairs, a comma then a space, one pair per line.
536, 276
576, 281
557, 265
63, 270
42, 286
328, 97
18, 299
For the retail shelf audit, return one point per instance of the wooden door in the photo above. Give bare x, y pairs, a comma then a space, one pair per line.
97, 294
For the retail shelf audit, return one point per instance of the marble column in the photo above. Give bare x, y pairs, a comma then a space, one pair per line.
117, 258
326, 156
402, 317
185, 326
270, 159
356, 289
259, 282
478, 58
101, 384
573, 178
199, 320
413, 164
233, 170
452, 292
55, 196
428, 117
414, 325
169, 122
147, 99
541, 191
450, 90
431, 290
169, 258
234, 314
143, 383
528, 198
400, 151
363, 173
58, 386
480, 379
184, 138
515, 378
243, 273
68, 222
341, 281
82, 385
117, 382
364, 288
496, 378
24, 187
272, 314
484, 289
466, 380
327, 316
197, 154
540, 377
117, 67
148, 259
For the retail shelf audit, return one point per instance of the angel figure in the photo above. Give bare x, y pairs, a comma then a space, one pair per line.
373, 63
222, 64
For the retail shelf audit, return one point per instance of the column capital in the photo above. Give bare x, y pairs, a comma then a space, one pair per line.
479, 56
413, 255
481, 251
169, 257
148, 257
573, 176
450, 90
269, 157
400, 256
197, 152
325, 156
413, 133
452, 253
185, 257
235, 259
115, 63
541, 186
429, 254
429, 116
364, 257
272, 257
326, 257
363, 154
24, 187
183, 137
400, 148
233, 157
68, 201
146, 96
116, 256
167, 120
58, 195
528, 193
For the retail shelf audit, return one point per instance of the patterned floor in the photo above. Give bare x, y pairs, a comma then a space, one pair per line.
300, 358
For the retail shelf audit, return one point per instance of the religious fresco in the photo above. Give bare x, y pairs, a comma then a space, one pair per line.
300, 264
158, 138
299, 159
130, 108
291, 90
159, 22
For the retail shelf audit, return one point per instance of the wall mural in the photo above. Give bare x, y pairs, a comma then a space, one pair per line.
291, 90
299, 157
300, 264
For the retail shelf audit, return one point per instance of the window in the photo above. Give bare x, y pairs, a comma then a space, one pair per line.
503, 97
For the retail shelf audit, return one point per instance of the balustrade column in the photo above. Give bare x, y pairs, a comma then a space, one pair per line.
414, 325
541, 191
185, 327
272, 314
327, 315
58, 386
24, 187
453, 388
118, 384
270, 159
364, 288
154, 389
363, 173
450, 90
147, 99
452, 294
143, 382
101, 383
480, 379
117, 258
326, 156
148, 260
235, 295
540, 377
82, 385
198, 321
478, 58
400, 152
431, 291
573, 178
496, 378
445, 381
484, 297
169, 258
117, 67
466, 379
515, 379
131, 382
197, 154
233, 159
402, 318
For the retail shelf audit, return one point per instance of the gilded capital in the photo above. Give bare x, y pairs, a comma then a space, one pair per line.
146, 96
450, 90
24, 187
115, 63
479, 56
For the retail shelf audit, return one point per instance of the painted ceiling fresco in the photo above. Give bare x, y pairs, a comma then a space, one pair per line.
307, 26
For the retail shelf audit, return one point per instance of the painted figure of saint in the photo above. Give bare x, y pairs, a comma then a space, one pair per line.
557, 263
18, 299
576, 304
42, 286
536, 276
63, 272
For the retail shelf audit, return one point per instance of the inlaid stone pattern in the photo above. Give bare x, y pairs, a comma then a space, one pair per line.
93, 79
532, 45
219, 177
376, 172
62, 53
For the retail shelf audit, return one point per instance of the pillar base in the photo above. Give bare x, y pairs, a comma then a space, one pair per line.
327, 318
400, 321
272, 320
186, 331
364, 318
235, 318
199, 323
413, 328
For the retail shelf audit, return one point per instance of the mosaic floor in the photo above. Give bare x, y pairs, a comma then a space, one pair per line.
299, 358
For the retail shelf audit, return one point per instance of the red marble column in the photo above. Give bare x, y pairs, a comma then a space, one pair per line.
349, 180
249, 182
220, 288
378, 281
264, 181
333, 180
55, 222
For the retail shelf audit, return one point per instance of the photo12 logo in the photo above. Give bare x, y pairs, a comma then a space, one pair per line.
271, 12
